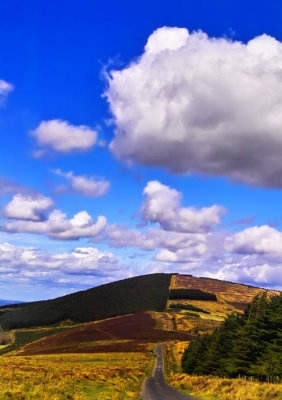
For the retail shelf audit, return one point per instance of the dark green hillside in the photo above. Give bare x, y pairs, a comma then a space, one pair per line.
148, 292
248, 344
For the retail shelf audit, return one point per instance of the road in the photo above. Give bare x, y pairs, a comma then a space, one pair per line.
155, 388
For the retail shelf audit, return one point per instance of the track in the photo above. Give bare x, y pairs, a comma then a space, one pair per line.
155, 388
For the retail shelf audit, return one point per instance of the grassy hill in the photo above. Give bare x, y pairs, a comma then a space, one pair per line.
209, 301
148, 292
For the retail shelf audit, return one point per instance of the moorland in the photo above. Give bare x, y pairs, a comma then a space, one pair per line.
99, 343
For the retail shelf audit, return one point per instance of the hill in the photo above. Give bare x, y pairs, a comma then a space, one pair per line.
186, 303
148, 292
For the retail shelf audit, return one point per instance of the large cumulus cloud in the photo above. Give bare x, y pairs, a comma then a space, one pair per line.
191, 103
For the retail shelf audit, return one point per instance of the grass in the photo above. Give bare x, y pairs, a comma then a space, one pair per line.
231, 297
128, 333
110, 376
214, 388
23, 336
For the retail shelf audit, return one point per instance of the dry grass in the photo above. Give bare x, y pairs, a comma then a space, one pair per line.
213, 388
230, 296
108, 376
225, 389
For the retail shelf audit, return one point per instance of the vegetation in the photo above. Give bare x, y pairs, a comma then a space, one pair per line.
215, 388
128, 333
74, 377
191, 294
189, 307
24, 336
243, 345
148, 292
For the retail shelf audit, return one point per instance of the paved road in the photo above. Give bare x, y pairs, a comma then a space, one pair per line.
155, 388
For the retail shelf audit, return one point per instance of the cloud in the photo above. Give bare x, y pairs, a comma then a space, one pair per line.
62, 137
86, 186
249, 270
57, 226
162, 205
195, 104
5, 89
28, 207
256, 240
35, 265
10, 187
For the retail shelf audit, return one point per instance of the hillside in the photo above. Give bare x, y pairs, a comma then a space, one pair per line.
208, 302
128, 333
148, 292
248, 344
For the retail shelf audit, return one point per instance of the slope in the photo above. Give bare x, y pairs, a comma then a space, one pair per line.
148, 292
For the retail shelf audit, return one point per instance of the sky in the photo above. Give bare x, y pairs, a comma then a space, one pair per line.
139, 137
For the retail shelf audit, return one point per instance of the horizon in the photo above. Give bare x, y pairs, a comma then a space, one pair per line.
139, 138
137, 276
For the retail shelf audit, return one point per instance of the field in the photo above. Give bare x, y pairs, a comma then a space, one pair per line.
129, 333
230, 296
215, 388
107, 376
109, 359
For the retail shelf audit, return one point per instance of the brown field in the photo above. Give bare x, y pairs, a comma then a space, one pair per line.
181, 321
129, 333
231, 297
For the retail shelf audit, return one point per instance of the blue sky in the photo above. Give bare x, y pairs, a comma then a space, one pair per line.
162, 119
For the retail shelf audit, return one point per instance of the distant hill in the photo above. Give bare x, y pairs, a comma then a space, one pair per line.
210, 301
8, 302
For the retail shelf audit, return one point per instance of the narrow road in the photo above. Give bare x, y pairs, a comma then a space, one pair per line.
155, 388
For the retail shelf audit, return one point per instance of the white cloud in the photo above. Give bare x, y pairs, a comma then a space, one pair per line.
256, 240
33, 264
63, 137
192, 103
162, 205
250, 271
28, 207
5, 89
86, 186
57, 226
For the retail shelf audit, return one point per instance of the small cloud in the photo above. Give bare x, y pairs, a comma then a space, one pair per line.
62, 137
57, 226
28, 207
5, 89
84, 185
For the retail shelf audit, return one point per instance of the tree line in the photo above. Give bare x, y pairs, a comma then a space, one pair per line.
248, 344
